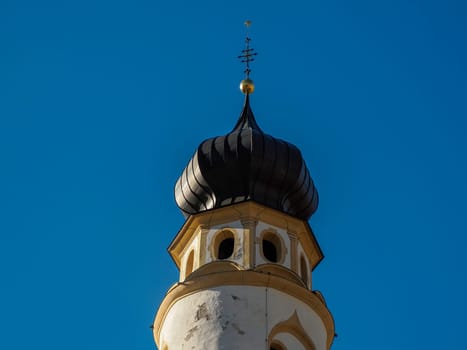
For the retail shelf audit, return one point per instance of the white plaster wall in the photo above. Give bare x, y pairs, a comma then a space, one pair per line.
234, 317
261, 227
289, 341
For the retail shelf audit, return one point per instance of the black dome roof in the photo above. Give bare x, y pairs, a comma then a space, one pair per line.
247, 164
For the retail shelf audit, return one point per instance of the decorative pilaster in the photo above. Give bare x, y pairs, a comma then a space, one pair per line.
249, 245
293, 252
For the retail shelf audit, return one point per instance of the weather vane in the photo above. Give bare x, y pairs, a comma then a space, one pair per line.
248, 55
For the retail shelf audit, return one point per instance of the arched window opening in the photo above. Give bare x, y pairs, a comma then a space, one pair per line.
290, 333
223, 245
189, 263
226, 248
276, 346
272, 247
269, 251
303, 270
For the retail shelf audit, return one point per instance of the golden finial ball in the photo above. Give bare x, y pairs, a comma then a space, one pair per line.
247, 86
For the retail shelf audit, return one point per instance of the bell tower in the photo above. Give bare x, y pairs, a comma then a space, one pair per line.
246, 251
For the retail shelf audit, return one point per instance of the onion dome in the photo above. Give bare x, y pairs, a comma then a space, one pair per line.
247, 164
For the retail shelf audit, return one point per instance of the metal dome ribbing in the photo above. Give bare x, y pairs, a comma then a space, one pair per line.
247, 164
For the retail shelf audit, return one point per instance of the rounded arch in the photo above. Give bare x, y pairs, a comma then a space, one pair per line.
272, 247
277, 345
304, 271
293, 327
190, 262
223, 245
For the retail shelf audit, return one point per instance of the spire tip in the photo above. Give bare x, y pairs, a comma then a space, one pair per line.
246, 85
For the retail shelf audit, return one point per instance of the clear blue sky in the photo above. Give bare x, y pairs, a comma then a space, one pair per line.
103, 102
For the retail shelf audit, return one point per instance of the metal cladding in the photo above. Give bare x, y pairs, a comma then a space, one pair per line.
247, 164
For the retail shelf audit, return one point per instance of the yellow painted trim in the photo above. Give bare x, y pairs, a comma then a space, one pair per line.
244, 278
293, 327
202, 244
185, 242
215, 267
247, 211
280, 271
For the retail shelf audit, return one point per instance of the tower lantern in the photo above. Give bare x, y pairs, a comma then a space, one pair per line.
246, 250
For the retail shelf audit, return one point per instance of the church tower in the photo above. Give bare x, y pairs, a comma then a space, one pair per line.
246, 250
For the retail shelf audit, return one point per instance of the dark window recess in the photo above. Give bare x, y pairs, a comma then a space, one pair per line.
226, 248
269, 251
275, 347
